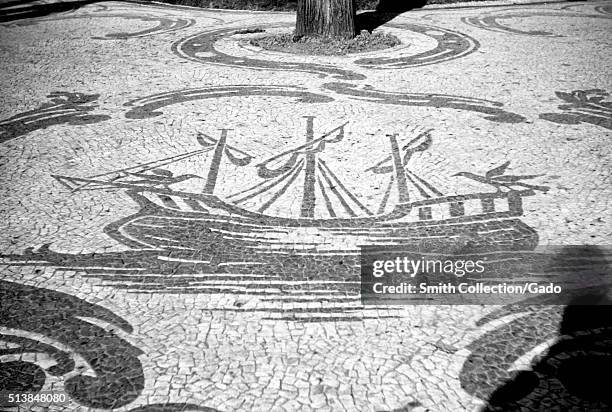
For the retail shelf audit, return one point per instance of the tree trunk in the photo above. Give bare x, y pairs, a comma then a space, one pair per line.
329, 18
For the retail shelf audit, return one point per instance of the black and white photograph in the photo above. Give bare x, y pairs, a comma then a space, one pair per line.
305, 205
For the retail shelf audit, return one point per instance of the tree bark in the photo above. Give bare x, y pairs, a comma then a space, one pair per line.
329, 18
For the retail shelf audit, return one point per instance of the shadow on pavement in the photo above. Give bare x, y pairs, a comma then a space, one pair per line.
577, 369
27, 10
386, 11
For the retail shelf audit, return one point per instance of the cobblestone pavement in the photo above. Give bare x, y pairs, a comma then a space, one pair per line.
182, 212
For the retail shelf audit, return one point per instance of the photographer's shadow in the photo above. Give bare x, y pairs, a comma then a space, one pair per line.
576, 371
385, 11
19, 10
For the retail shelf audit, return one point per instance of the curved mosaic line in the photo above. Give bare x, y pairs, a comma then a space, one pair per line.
165, 24
200, 48
451, 45
588, 106
117, 377
63, 327
490, 22
492, 109
149, 106
63, 108
603, 9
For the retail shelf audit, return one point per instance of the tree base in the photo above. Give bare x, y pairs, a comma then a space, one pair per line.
326, 46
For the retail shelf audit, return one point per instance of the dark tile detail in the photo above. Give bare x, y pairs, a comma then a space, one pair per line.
588, 106
488, 206
457, 209
63, 108
425, 213
406, 408
20, 377
515, 202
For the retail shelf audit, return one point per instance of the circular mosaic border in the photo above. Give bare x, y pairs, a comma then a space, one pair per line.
451, 45
164, 25
491, 21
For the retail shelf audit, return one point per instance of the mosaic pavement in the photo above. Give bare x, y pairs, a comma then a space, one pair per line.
182, 211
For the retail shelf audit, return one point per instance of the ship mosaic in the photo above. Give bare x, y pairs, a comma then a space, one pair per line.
345, 219
250, 237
